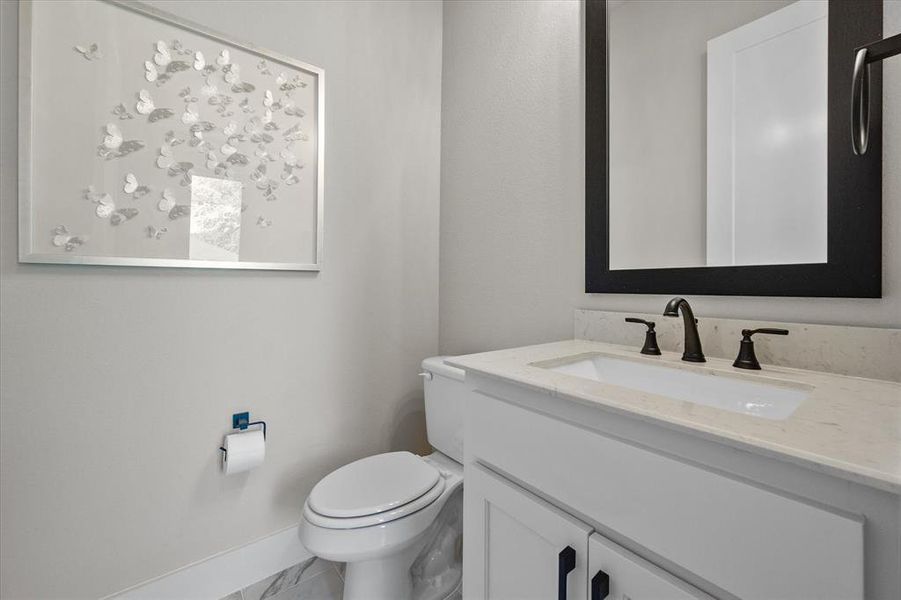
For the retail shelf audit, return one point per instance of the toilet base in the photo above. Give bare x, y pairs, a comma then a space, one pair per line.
385, 578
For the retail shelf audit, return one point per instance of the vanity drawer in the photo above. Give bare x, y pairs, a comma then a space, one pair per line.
747, 540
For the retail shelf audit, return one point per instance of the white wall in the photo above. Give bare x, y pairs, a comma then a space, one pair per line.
118, 383
512, 186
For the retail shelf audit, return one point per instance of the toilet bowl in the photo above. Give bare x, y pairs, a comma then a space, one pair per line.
378, 536
381, 513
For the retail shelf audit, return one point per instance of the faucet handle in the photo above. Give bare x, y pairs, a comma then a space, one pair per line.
650, 338
770, 330
650, 324
747, 358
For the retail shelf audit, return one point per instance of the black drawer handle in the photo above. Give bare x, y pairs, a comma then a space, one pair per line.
600, 586
566, 562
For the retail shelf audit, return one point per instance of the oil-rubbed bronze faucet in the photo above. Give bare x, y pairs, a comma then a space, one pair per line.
693, 352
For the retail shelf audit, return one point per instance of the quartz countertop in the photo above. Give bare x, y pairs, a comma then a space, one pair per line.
849, 427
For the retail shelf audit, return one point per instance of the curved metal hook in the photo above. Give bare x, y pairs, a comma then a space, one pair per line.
860, 103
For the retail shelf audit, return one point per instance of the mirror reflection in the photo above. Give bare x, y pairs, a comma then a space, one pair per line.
717, 132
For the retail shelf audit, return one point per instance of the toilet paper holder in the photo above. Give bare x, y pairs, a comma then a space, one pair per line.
242, 421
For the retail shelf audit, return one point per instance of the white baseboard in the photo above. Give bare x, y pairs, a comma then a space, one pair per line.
222, 574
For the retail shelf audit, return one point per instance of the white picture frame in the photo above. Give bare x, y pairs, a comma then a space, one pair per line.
249, 117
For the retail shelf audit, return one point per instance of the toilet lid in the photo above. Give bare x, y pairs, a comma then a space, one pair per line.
372, 485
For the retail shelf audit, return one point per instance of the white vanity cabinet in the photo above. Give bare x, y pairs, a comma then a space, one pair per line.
664, 514
521, 548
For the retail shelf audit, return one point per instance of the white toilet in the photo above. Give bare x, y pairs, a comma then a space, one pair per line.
396, 518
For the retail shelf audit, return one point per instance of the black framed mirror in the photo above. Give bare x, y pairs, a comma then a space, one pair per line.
640, 205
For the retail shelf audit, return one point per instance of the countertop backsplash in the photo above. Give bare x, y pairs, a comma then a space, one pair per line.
859, 351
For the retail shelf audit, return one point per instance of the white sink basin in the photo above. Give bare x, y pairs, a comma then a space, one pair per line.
768, 401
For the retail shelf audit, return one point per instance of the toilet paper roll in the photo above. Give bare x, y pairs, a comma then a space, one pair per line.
243, 451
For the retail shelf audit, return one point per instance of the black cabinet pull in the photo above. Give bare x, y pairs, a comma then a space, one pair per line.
600, 586
566, 562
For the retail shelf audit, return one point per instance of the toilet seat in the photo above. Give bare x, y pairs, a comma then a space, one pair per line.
374, 490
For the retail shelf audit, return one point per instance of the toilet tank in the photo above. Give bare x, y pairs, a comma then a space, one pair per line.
446, 394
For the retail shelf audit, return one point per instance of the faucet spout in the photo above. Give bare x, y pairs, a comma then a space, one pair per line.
693, 351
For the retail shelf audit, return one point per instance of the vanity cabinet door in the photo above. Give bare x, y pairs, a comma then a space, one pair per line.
518, 547
617, 574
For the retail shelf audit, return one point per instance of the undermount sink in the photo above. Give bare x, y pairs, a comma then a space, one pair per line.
765, 400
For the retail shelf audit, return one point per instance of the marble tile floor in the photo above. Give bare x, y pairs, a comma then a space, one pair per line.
312, 579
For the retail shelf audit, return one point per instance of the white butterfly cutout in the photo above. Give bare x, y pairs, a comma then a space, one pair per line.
199, 61
113, 138
220, 168
259, 174
262, 154
293, 111
288, 175
150, 71
294, 134
227, 149
172, 139
162, 56
131, 184
198, 142
288, 86
190, 115
267, 99
123, 214
232, 74
167, 202
91, 52
209, 88
121, 111
255, 128
186, 95
145, 104
230, 129
223, 58
264, 183
291, 163
262, 222
156, 233
62, 239
165, 159
134, 188
179, 47
105, 206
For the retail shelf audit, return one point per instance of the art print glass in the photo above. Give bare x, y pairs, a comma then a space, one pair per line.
151, 141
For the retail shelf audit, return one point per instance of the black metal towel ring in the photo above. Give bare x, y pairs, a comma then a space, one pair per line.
860, 87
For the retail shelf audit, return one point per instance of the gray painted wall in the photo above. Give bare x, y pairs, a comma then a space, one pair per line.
512, 178
118, 383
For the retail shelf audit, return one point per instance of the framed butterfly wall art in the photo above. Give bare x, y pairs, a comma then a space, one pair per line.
147, 140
